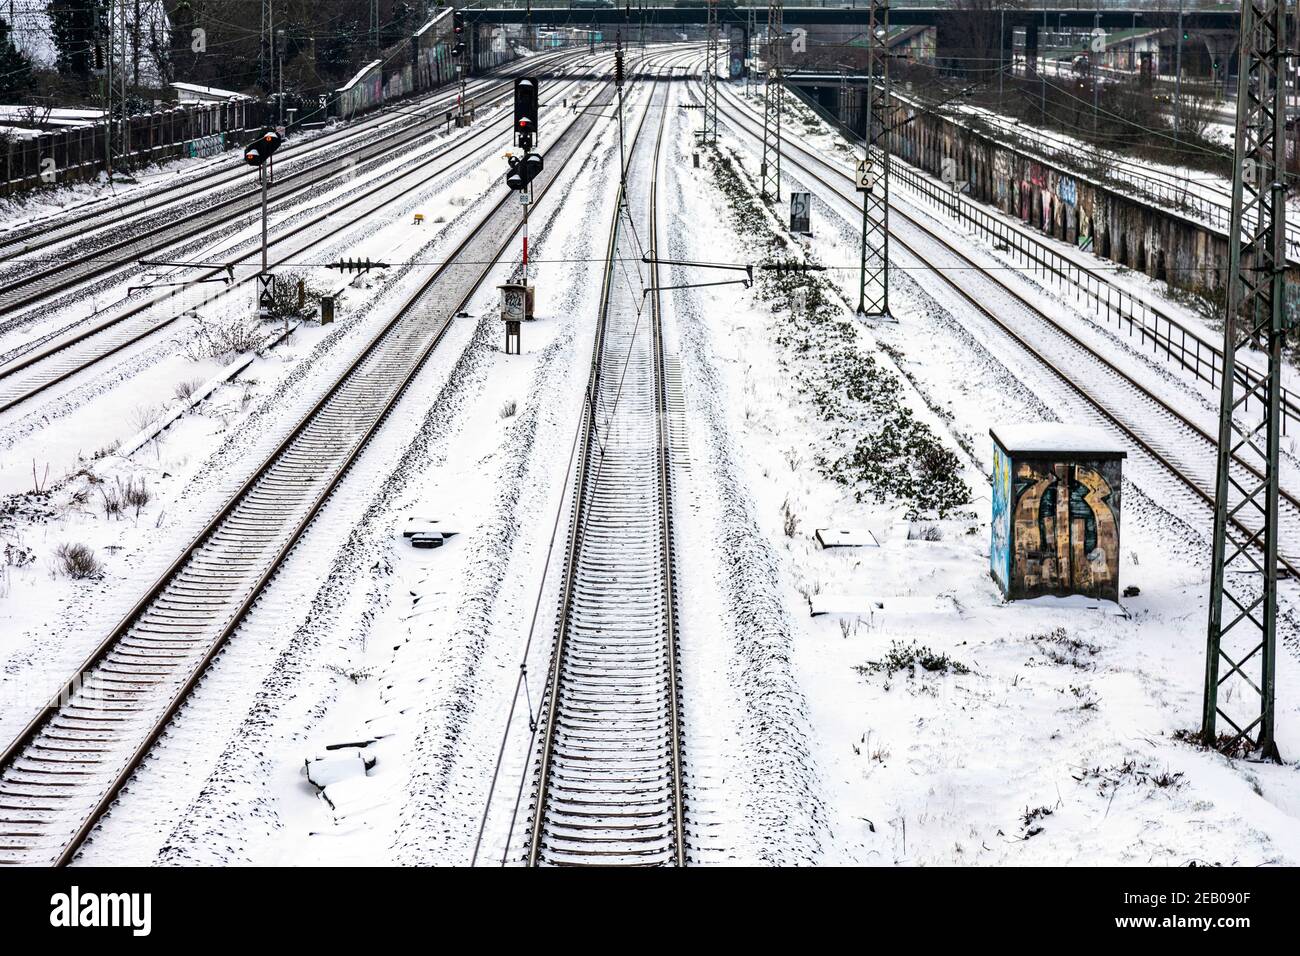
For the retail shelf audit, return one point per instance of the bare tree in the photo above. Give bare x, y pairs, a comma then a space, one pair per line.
969, 40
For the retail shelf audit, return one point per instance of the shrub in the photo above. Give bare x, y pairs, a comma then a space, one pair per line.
112, 501
78, 561
185, 390
790, 521
907, 657
880, 450
136, 496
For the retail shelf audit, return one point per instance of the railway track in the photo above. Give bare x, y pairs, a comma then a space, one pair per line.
85, 346
609, 759
62, 773
1176, 442
27, 241
1192, 349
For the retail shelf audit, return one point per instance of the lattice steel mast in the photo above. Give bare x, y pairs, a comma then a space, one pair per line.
1243, 582
769, 169
873, 284
711, 78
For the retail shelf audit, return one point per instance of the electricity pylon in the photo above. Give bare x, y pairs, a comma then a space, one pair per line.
769, 168
1243, 576
873, 180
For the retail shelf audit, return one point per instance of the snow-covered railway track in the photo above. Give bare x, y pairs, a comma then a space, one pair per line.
123, 240
62, 773
113, 212
609, 775
1172, 439
82, 347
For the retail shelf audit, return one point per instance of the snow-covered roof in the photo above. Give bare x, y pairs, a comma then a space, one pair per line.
360, 73
1057, 438
446, 12
209, 92
57, 114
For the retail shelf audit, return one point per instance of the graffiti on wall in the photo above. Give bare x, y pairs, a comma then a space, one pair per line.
205, 146
736, 58
1000, 549
1067, 190
1065, 527
1001, 177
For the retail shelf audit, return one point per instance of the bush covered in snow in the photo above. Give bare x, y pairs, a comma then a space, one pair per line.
876, 446
908, 657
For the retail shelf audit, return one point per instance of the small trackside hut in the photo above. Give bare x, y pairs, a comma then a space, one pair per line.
1056, 509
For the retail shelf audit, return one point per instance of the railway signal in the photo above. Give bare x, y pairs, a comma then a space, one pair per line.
526, 125
523, 170
801, 213
260, 150
258, 153
458, 34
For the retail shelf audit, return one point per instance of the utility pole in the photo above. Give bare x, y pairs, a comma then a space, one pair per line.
279, 73
1178, 75
873, 278
107, 53
1096, 57
1002, 53
124, 147
265, 62
844, 97
618, 87
769, 169
710, 134
1244, 570
1041, 67
135, 47
750, 43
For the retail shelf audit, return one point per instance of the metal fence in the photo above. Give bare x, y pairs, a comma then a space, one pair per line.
1149, 324
78, 153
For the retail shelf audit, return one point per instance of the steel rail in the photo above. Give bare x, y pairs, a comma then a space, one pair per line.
59, 346
563, 670
26, 240
299, 452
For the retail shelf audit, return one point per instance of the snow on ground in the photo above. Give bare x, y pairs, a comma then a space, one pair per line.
1049, 736
375, 585
922, 721
185, 484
